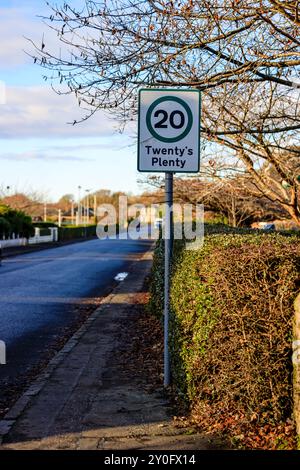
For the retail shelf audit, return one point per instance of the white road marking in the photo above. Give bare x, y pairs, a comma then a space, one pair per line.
121, 276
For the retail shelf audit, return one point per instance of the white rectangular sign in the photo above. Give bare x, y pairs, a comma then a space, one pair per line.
169, 130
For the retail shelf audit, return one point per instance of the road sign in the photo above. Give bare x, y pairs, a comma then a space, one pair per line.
169, 130
169, 142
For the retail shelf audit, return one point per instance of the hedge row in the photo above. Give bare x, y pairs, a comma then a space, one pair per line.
44, 224
157, 274
14, 221
231, 333
72, 233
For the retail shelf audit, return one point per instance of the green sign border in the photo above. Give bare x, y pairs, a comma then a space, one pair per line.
172, 90
169, 140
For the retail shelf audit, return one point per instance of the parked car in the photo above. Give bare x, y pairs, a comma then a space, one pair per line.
158, 223
266, 226
269, 227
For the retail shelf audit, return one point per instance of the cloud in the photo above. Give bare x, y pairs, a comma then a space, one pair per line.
20, 24
41, 157
103, 145
15, 25
38, 112
11, 40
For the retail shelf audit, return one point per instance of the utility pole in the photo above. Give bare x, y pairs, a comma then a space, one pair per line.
45, 212
95, 208
59, 217
87, 208
72, 212
79, 206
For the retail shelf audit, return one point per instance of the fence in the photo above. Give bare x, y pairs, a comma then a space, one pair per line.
15, 240
38, 238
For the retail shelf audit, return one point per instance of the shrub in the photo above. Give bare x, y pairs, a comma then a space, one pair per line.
5, 228
157, 273
72, 233
44, 224
231, 333
19, 222
45, 232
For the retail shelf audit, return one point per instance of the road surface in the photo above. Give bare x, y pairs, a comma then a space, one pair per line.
40, 293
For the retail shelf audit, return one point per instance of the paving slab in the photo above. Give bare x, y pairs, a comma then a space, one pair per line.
83, 402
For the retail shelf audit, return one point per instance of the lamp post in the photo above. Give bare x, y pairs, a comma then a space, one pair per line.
79, 206
72, 212
87, 204
95, 208
59, 217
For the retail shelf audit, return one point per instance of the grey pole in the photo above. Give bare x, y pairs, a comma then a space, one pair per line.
79, 205
45, 212
168, 255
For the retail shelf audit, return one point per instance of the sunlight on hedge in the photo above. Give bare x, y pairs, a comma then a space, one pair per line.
231, 328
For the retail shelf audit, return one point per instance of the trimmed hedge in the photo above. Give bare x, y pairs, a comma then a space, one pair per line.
72, 233
44, 224
45, 232
5, 228
68, 232
231, 330
157, 274
14, 221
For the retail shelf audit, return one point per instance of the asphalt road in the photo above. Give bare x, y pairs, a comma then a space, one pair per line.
40, 294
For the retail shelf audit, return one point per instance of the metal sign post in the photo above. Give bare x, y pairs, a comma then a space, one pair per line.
168, 258
168, 142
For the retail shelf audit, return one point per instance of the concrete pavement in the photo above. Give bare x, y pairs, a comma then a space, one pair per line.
44, 293
83, 400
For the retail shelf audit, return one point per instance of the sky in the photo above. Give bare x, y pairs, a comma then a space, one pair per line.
39, 150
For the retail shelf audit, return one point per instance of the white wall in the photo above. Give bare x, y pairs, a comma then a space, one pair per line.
37, 238
13, 242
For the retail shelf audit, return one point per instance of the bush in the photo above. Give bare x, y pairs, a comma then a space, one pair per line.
45, 232
157, 273
5, 228
44, 224
231, 333
72, 233
19, 222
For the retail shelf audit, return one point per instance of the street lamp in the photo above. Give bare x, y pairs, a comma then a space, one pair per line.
79, 206
95, 208
87, 205
59, 217
72, 211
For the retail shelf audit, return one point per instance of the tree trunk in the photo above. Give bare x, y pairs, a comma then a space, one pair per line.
233, 208
294, 213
